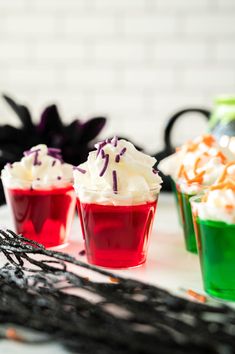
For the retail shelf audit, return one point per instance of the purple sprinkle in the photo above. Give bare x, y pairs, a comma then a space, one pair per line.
53, 163
38, 179
36, 162
102, 154
59, 177
115, 141
82, 253
29, 152
56, 153
115, 188
35, 152
117, 158
106, 162
98, 150
154, 171
122, 152
54, 150
108, 141
79, 169
101, 145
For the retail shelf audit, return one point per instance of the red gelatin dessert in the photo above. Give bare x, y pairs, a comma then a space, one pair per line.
117, 236
44, 216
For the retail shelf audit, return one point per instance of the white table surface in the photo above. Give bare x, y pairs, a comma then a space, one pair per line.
168, 264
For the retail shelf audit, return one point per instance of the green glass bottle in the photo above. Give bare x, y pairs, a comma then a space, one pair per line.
222, 121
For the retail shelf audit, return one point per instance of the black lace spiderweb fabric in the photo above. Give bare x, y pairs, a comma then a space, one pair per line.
44, 290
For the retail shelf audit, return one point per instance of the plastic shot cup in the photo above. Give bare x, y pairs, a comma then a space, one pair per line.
116, 236
186, 213
216, 248
176, 197
42, 215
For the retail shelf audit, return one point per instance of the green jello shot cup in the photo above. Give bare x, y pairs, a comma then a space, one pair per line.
175, 193
216, 248
186, 213
187, 222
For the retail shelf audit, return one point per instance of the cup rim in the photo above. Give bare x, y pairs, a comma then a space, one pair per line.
80, 187
184, 182
199, 187
194, 198
50, 183
109, 197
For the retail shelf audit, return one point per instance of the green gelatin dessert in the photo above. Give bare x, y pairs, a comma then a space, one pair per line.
216, 247
187, 222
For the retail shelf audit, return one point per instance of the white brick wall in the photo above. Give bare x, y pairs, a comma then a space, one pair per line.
136, 61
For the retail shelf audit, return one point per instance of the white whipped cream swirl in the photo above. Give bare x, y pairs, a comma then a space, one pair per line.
40, 168
216, 206
220, 203
117, 173
211, 164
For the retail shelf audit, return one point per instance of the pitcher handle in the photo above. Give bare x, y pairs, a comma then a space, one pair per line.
168, 129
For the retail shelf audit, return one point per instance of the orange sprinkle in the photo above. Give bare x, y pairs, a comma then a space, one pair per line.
198, 178
223, 176
185, 175
208, 139
195, 295
181, 170
114, 280
225, 171
229, 207
231, 163
221, 156
198, 160
12, 334
192, 147
196, 165
223, 185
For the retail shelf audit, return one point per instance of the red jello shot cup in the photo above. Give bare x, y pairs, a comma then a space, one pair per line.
116, 234
42, 215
